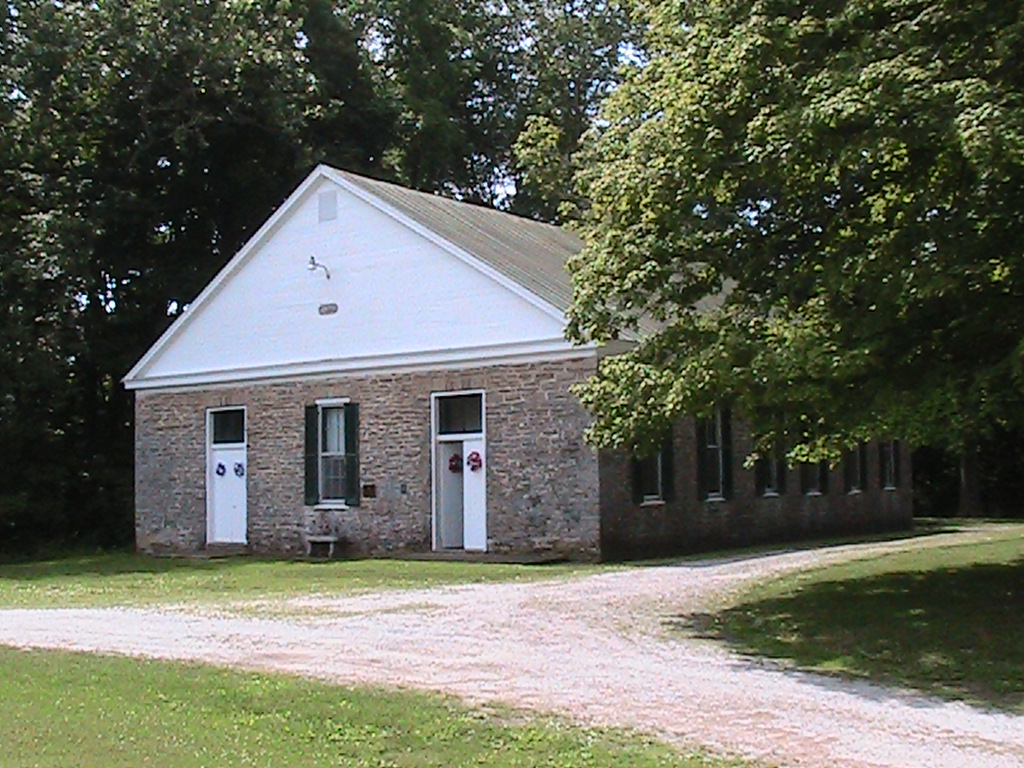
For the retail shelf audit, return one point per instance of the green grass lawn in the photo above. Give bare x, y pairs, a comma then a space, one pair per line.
948, 621
126, 578
81, 711
130, 579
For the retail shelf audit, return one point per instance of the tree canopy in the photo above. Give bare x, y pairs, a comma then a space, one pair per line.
846, 179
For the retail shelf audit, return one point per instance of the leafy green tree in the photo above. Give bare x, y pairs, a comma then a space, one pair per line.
450, 69
571, 56
467, 77
544, 159
352, 111
149, 141
846, 177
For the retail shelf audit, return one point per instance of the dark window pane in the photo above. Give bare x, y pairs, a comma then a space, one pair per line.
856, 468
770, 476
648, 474
852, 468
715, 455
229, 426
890, 474
460, 413
332, 478
712, 439
713, 482
814, 478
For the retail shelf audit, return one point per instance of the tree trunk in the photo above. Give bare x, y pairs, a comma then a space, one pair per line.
970, 484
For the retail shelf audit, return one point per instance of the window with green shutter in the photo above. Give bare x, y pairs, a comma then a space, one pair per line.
889, 464
714, 456
814, 478
770, 475
332, 453
654, 476
855, 469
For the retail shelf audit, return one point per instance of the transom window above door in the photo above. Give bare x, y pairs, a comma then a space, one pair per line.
228, 426
460, 414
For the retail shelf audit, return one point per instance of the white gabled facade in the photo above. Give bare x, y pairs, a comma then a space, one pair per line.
404, 298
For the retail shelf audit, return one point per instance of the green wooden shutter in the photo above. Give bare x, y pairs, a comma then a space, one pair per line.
823, 473
781, 472
726, 422
668, 467
312, 443
848, 479
702, 461
895, 463
811, 478
634, 466
352, 494
761, 468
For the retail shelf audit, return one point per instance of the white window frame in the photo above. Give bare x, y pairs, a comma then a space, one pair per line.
324, 403
435, 417
222, 409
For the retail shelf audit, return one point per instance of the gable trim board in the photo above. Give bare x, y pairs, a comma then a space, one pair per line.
398, 346
454, 359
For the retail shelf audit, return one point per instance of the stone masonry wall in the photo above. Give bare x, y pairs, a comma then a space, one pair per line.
542, 481
689, 524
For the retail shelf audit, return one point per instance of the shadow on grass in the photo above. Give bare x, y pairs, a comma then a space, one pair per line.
954, 632
101, 564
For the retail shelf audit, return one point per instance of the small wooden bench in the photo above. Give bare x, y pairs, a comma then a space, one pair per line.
316, 541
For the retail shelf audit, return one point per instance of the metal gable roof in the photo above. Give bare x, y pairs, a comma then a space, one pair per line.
530, 253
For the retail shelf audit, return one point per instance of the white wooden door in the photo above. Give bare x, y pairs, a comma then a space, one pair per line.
474, 494
449, 494
226, 474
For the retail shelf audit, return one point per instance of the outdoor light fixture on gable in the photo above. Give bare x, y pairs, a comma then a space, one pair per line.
315, 265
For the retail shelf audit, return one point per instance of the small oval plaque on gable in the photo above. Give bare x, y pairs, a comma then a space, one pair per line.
328, 309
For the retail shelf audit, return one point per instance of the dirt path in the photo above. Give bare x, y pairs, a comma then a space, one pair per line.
593, 648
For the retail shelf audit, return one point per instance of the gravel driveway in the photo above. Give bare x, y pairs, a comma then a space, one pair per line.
593, 648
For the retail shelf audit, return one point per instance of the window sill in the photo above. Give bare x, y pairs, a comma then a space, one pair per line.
813, 493
330, 505
889, 488
714, 498
855, 492
770, 495
652, 503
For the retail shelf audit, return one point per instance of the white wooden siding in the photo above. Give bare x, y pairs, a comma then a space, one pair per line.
399, 296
